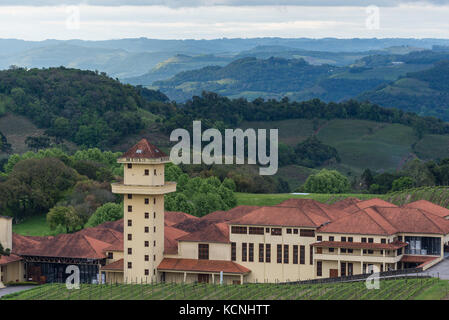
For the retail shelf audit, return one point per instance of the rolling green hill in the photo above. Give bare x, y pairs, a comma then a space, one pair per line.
425, 92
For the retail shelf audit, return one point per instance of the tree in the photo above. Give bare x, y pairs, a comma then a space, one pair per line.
64, 216
327, 181
367, 178
402, 183
107, 212
37, 143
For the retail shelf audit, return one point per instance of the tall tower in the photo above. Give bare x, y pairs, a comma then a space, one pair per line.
143, 188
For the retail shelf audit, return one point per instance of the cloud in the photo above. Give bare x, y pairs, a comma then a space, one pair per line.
200, 3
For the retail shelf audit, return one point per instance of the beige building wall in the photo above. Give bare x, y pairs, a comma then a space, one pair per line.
12, 272
217, 251
191, 277
6, 232
273, 271
136, 174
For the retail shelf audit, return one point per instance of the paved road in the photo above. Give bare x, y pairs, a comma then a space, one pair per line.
13, 289
441, 268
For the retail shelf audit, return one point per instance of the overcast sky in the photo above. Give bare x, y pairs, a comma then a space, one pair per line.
208, 19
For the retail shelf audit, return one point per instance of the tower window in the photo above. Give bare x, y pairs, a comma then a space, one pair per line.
154, 257
155, 172
154, 201
154, 228
130, 265
130, 208
147, 272
147, 244
154, 243
130, 236
147, 201
147, 257
130, 250
130, 165
130, 196
147, 172
147, 229
154, 215
130, 223
147, 215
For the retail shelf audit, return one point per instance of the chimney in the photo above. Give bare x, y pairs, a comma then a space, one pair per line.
6, 232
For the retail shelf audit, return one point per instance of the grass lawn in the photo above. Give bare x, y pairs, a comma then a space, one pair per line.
399, 289
253, 199
34, 226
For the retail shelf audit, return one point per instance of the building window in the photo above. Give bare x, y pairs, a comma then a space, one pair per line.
130, 208
154, 215
239, 230
255, 230
147, 172
261, 252
383, 240
276, 231
154, 257
130, 250
244, 251
147, 272
267, 230
154, 200
147, 257
130, 265
311, 255
233, 251
279, 253
295, 231
130, 196
370, 251
130, 223
343, 269
147, 244
295, 254
350, 251
363, 239
203, 251
268, 253
319, 268
289, 231
110, 255
319, 250
319, 238
399, 251
155, 173
302, 254
251, 252
147, 229
130, 165
331, 238
350, 269
154, 243
343, 239
370, 240
130, 236
285, 253
147, 201
343, 250
147, 215
331, 249
350, 239
307, 233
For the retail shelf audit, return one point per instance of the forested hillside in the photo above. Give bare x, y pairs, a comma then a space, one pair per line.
85, 107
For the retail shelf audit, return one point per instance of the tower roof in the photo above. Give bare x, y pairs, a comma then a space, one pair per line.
144, 150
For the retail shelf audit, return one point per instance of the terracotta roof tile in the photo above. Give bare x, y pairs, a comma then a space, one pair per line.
347, 202
313, 207
368, 203
235, 213
174, 217
212, 233
429, 207
115, 266
9, 259
144, 150
195, 265
171, 235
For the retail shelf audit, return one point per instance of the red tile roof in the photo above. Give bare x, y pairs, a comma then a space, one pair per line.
235, 213
192, 225
174, 217
368, 203
422, 260
213, 233
171, 235
195, 265
361, 245
116, 246
144, 150
429, 207
9, 259
315, 207
114, 266
281, 216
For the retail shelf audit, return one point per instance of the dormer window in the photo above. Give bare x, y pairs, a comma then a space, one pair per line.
138, 151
